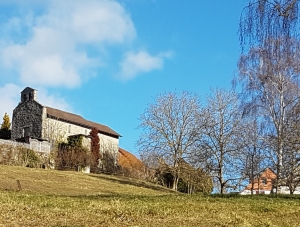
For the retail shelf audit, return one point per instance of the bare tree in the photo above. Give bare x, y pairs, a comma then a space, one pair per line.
270, 83
54, 131
195, 179
220, 148
291, 154
253, 147
108, 161
263, 20
291, 169
170, 130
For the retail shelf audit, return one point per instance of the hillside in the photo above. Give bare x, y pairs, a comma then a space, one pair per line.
57, 198
73, 183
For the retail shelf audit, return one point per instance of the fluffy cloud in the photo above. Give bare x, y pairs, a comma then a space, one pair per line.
54, 101
141, 62
53, 47
10, 97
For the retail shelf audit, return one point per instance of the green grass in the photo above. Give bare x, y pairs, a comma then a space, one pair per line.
55, 198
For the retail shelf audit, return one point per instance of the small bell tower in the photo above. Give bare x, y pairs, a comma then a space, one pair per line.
28, 94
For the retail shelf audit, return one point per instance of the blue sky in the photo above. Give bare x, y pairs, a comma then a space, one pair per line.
106, 60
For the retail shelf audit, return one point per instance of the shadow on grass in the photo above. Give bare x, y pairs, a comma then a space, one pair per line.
260, 196
114, 196
133, 182
106, 195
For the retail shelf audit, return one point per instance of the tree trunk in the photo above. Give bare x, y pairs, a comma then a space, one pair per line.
252, 174
175, 182
280, 140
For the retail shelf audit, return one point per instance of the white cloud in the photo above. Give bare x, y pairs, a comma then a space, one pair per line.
57, 43
10, 98
101, 21
141, 62
53, 101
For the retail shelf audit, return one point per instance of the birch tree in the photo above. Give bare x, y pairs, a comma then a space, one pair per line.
263, 20
170, 130
291, 154
270, 84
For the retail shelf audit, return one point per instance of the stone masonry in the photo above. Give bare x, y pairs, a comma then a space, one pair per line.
27, 117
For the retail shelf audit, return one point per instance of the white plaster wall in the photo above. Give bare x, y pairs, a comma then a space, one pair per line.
58, 131
248, 192
108, 143
86, 142
282, 190
286, 190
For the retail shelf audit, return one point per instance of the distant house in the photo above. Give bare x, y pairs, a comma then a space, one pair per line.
265, 184
31, 119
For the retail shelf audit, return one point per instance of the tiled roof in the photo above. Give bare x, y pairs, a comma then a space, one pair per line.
78, 120
128, 160
264, 182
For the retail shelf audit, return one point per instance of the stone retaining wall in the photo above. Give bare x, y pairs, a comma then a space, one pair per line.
34, 144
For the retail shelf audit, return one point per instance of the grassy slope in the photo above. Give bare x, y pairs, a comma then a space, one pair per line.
54, 198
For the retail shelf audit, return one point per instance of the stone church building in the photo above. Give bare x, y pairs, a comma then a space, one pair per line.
31, 119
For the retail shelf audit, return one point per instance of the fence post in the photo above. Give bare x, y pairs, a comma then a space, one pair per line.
19, 185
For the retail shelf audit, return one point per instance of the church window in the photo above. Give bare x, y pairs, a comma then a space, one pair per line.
69, 128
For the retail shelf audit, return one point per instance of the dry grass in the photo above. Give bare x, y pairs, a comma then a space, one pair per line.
73, 183
54, 198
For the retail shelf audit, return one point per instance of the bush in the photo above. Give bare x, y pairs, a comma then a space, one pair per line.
20, 156
5, 134
28, 158
7, 154
72, 155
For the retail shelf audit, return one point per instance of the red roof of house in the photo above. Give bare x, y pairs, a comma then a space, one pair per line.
78, 120
264, 182
129, 161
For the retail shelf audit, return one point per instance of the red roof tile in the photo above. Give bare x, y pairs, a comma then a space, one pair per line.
128, 160
264, 182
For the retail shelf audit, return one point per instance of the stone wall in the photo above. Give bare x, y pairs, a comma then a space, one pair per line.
14, 143
36, 145
27, 120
